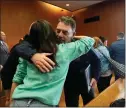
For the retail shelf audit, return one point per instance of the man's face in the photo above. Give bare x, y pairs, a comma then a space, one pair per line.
3, 36
64, 32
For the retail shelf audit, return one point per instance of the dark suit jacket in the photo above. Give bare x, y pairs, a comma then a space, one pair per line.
75, 78
4, 53
117, 51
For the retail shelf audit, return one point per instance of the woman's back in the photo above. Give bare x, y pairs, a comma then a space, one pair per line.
105, 65
47, 88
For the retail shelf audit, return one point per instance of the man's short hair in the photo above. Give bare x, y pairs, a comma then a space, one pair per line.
121, 35
68, 21
103, 39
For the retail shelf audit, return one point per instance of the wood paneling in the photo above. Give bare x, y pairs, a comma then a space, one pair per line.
2, 101
111, 21
17, 15
109, 95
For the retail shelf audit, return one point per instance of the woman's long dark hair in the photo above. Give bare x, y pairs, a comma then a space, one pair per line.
43, 38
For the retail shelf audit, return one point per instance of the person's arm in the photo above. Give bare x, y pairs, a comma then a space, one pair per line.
93, 82
21, 72
25, 50
95, 67
79, 47
41, 60
18, 79
8, 94
14, 85
95, 64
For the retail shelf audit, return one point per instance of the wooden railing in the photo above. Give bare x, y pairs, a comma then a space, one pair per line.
112, 93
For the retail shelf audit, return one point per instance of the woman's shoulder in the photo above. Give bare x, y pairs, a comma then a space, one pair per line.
102, 48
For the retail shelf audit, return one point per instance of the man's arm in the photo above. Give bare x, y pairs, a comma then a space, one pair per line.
95, 66
78, 48
19, 76
17, 79
14, 85
25, 50
28, 52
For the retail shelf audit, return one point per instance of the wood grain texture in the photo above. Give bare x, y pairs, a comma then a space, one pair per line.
112, 93
17, 16
112, 19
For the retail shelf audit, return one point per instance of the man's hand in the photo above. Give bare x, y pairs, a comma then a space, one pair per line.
42, 61
93, 82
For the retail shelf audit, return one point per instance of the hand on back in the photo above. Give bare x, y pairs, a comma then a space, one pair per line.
42, 62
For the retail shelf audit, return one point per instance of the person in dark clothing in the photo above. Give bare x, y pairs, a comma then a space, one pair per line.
25, 50
4, 50
117, 51
4, 53
75, 83
11, 64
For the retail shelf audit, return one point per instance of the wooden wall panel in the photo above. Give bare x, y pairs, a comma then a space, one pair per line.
112, 18
16, 17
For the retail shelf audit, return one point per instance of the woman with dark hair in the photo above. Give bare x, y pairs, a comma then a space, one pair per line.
35, 89
106, 73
